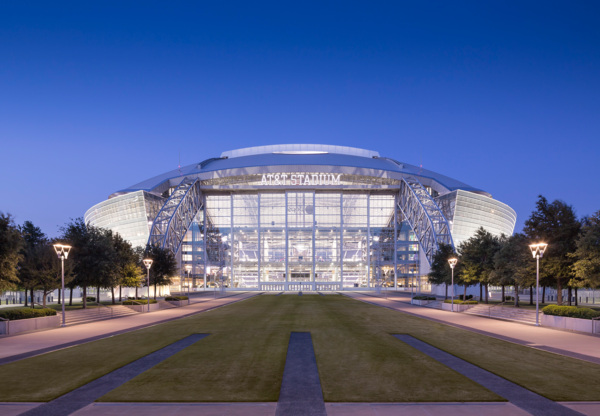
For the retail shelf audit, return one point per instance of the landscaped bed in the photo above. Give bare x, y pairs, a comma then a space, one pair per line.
243, 358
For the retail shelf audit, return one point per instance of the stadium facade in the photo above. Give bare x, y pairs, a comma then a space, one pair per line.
302, 217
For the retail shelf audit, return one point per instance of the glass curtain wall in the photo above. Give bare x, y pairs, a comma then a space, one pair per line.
301, 241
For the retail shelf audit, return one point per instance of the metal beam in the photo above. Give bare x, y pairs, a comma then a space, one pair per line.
424, 216
176, 215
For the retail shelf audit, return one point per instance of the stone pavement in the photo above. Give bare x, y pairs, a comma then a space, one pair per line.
34, 343
572, 344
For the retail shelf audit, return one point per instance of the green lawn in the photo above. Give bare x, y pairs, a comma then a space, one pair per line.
244, 357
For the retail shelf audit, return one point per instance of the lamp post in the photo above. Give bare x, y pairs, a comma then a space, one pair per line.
188, 269
62, 251
452, 261
537, 250
148, 264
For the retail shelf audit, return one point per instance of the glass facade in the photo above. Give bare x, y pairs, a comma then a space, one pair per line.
306, 240
129, 215
467, 211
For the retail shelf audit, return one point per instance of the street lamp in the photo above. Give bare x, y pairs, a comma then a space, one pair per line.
188, 269
148, 264
452, 261
537, 250
62, 251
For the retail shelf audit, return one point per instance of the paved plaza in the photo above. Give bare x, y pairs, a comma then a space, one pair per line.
301, 370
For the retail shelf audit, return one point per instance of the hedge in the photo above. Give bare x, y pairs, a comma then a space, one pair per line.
424, 297
90, 298
176, 298
26, 313
462, 302
571, 312
138, 302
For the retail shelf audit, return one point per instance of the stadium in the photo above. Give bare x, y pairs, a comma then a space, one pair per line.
302, 217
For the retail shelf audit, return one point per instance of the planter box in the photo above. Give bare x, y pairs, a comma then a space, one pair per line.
179, 303
32, 324
144, 308
420, 302
457, 307
570, 324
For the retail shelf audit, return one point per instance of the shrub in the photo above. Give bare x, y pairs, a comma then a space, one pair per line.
176, 298
90, 298
468, 297
138, 302
462, 302
26, 313
508, 298
570, 312
424, 297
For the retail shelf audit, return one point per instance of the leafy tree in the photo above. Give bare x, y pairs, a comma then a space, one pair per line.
477, 257
555, 224
512, 264
10, 245
94, 257
441, 273
164, 266
33, 238
587, 254
48, 269
127, 271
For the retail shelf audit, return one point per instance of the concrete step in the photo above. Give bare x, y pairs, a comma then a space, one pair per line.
500, 312
80, 316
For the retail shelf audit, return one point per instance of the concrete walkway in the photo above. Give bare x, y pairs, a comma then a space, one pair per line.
572, 344
21, 346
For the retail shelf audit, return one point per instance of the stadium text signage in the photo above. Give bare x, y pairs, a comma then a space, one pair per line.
301, 179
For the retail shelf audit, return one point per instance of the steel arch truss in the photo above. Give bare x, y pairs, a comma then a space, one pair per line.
176, 215
424, 216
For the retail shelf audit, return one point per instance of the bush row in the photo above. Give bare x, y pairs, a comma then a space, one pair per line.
424, 297
176, 298
26, 313
462, 302
138, 302
571, 312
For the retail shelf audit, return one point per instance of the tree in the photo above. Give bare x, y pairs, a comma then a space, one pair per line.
48, 270
441, 273
33, 238
586, 267
164, 266
477, 257
555, 224
127, 271
512, 264
93, 253
10, 245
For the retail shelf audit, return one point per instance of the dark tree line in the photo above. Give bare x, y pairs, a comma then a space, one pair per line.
571, 261
98, 259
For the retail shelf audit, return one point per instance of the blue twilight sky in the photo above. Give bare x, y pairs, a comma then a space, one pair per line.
98, 95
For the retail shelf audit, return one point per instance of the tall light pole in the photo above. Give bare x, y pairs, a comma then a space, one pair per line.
452, 262
188, 269
148, 264
537, 250
62, 251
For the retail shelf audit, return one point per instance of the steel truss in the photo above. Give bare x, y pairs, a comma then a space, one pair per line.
424, 216
176, 215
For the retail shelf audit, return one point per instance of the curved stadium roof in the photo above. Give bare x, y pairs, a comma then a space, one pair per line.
300, 155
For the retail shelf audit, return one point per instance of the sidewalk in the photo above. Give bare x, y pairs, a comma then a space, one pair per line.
26, 345
572, 344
